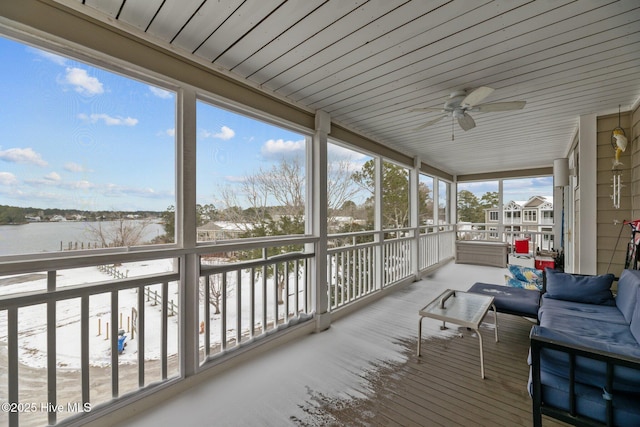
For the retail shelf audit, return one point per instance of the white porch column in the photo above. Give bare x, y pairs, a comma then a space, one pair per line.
414, 217
586, 231
185, 222
318, 201
378, 221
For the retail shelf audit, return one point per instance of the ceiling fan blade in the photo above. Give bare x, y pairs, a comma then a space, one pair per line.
499, 106
477, 95
430, 122
466, 122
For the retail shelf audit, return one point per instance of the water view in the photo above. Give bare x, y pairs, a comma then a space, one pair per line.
37, 237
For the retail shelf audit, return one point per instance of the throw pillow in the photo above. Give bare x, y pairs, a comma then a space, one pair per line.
577, 288
515, 283
527, 274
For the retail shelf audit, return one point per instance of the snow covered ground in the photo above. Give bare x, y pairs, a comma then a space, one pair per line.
32, 333
32, 326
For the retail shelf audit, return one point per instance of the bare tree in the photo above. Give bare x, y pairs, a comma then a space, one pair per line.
118, 233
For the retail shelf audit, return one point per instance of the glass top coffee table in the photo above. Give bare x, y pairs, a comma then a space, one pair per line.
460, 308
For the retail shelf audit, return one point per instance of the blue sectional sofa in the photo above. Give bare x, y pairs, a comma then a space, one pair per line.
585, 350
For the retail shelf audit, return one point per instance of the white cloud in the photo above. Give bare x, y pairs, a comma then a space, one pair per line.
53, 177
49, 56
74, 167
225, 133
277, 148
7, 178
22, 155
171, 132
109, 120
337, 152
83, 82
161, 93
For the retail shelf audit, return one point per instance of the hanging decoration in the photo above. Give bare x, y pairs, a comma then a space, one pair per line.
619, 144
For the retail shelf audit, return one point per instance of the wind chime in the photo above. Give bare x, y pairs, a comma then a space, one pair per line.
619, 144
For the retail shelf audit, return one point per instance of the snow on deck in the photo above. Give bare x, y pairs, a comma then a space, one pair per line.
280, 387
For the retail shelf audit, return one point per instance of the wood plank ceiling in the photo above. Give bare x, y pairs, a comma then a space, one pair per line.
369, 62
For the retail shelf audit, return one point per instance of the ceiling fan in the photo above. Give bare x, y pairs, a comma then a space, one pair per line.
460, 103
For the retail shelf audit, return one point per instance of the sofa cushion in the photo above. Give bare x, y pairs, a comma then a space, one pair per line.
590, 400
517, 301
588, 371
585, 289
613, 337
605, 313
635, 319
627, 295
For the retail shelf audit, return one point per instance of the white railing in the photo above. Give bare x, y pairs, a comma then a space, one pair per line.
396, 255
239, 303
436, 244
538, 240
79, 332
250, 299
353, 271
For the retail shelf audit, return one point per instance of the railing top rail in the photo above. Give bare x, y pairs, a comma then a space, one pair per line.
257, 243
23, 299
348, 248
223, 268
20, 264
351, 234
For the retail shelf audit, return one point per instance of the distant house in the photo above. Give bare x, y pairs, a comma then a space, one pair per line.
57, 218
220, 230
532, 216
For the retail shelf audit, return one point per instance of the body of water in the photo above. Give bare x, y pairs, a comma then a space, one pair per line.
36, 237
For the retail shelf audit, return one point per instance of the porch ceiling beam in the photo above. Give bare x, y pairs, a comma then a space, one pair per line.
520, 173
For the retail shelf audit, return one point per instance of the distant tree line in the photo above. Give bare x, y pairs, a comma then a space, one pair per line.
19, 215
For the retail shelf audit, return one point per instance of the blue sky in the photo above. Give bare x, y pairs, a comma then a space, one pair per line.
520, 189
78, 137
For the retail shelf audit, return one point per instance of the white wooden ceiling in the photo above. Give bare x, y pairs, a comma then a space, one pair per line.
368, 62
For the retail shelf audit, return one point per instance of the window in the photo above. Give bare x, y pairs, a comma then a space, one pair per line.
443, 202
88, 158
425, 200
493, 216
395, 196
250, 177
350, 190
474, 198
530, 215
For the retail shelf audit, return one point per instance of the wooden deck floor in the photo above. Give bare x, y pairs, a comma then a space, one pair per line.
443, 387
364, 371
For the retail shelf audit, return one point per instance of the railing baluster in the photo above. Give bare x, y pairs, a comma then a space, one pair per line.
52, 394
286, 291
207, 315
114, 344
264, 299
276, 286
238, 307
297, 287
141, 335
165, 330
252, 297
84, 348
223, 316
12, 344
